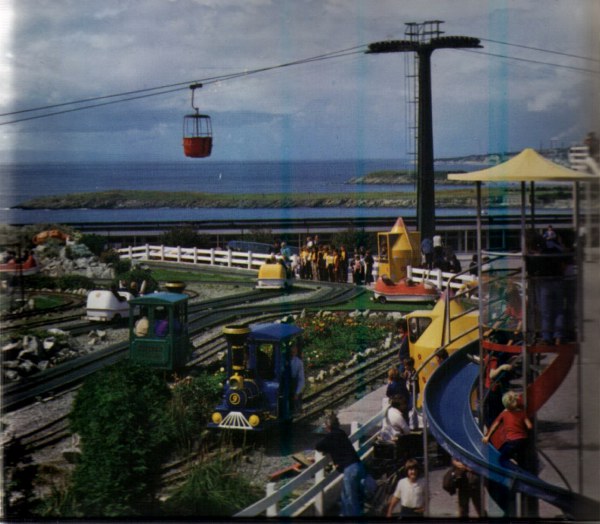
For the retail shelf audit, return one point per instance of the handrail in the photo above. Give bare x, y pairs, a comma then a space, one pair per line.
269, 503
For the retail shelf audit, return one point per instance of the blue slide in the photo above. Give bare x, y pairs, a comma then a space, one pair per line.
448, 409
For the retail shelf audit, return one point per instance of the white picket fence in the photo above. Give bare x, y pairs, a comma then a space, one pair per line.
253, 261
441, 279
193, 255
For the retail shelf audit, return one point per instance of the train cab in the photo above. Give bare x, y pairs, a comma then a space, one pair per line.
158, 330
258, 391
103, 305
430, 330
274, 274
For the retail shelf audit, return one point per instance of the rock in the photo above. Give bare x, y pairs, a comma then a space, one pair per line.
12, 375
27, 367
49, 343
10, 364
11, 350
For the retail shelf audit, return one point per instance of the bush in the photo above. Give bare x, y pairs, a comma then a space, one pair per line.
95, 243
121, 416
194, 399
184, 237
111, 256
137, 275
213, 489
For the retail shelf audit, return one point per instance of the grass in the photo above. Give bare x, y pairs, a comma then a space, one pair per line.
169, 275
122, 199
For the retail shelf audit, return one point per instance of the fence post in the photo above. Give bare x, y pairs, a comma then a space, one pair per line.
229, 257
212, 256
130, 253
440, 280
271, 510
162, 252
147, 251
409, 272
178, 253
319, 477
195, 254
249, 259
353, 429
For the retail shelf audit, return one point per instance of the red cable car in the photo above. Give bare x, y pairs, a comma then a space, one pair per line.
197, 132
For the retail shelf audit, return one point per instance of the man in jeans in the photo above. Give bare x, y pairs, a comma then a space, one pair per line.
346, 461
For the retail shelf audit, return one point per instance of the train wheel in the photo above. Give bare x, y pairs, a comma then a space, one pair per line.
382, 299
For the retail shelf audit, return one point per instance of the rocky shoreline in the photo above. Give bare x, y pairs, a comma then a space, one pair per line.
445, 198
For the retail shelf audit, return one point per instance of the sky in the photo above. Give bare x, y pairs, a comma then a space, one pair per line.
533, 84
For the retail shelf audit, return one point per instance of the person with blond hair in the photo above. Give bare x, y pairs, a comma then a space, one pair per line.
516, 425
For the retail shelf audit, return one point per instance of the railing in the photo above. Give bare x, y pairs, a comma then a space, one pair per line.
193, 255
322, 484
441, 279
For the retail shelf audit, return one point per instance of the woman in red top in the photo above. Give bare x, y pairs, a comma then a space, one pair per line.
516, 428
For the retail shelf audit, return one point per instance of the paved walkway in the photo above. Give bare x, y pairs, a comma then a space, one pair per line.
568, 426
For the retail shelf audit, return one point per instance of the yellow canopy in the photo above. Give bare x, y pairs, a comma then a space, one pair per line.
527, 166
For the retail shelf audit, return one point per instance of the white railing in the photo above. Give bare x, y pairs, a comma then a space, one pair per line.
439, 278
193, 255
321, 486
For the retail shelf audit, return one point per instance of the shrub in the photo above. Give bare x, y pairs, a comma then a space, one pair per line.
111, 256
213, 489
121, 416
137, 275
95, 243
193, 401
184, 237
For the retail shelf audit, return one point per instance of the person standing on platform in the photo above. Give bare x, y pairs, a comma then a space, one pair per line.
346, 460
410, 493
297, 375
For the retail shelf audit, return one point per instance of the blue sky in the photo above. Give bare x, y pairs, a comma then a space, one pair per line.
353, 106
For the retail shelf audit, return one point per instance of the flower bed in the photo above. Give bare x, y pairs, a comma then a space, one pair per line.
338, 337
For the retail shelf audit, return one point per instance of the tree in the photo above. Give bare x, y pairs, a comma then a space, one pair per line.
121, 416
184, 237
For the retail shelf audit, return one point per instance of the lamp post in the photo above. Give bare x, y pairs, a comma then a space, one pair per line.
424, 39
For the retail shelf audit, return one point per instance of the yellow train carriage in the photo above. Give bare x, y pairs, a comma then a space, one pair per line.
274, 275
428, 331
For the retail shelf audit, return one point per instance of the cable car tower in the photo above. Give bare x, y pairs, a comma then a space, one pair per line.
197, 132
423, 39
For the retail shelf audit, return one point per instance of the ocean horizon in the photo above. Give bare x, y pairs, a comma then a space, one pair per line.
22, 182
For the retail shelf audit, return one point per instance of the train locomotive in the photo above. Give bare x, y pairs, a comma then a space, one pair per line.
259, 390
158, 330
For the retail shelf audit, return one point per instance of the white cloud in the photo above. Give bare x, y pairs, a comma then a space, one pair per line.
66, 50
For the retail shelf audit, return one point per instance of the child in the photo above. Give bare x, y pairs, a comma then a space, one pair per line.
516, 426
410, 492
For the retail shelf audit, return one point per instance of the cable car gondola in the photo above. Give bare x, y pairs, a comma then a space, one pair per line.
197, 132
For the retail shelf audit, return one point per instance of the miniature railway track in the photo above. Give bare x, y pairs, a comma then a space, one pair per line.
204, 315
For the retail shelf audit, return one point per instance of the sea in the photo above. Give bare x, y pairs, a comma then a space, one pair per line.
22, 182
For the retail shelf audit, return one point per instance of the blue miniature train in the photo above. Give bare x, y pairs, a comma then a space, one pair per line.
259, 389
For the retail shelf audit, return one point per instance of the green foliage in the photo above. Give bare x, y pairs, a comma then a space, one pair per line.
111, 256
193, 401
137, 275
213, 489
121, 416
337, 337
39, 281
184, 237
95, 243
77, 251
122, 266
